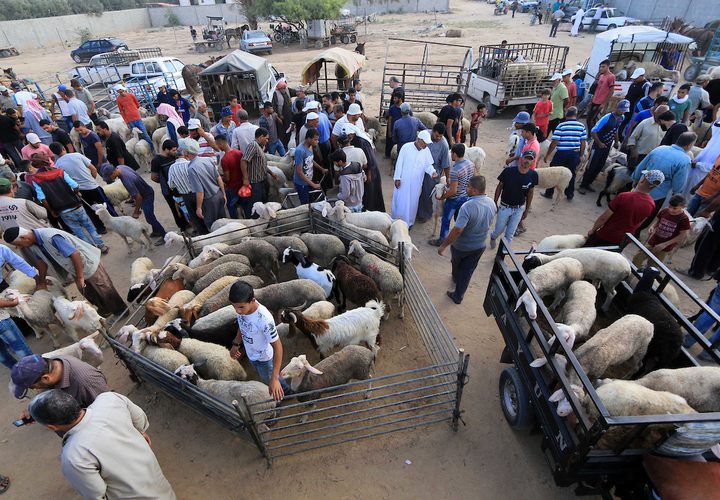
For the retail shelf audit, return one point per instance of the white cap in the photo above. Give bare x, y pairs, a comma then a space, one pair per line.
193, 123
424, 136
637, 73
119, 87
3, 88
556, 76
349, 128
33, 138
311, 105
354, 109
567, 72
311, 116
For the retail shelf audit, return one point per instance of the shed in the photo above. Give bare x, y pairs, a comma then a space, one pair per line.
347, 66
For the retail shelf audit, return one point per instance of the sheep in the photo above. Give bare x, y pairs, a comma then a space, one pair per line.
437, 203
323, 248
79, 318
617, 350
561, 242
349, 328
376, 221
284, 163
290, 219
229, 269
151, 124
698, 225
386, 276
143, 153
85, 350
477, 156
173, 309
230, 392
228, 234
327, 211
550, 279
197, 279
18, 280
554, 177
209, 253
309, 270
255, 226
427, 118
141, 274
192, 308
283, 242
219, 327
617, 181
222, 298
259, 252
320, 310
134, 138
399, 232
158, 137
293, 293
119, 126
698, 385
127, 227
277, 185
37, 310
157, 305
116, 193
700, 128
578, 313
166, 358
352, 284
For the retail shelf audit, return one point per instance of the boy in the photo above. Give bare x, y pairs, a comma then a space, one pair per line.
541, 113
475, 119
262, 344
304, 165
670, 229
351, 179
680, 104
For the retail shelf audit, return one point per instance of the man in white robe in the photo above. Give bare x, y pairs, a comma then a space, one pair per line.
413, 162
578, 20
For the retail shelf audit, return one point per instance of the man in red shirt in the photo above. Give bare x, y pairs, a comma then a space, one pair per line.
625, 213
235, 106
231, 173
129, 109
571, 88
603, 90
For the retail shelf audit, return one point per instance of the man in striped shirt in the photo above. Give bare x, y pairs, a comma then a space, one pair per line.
570, 140
179, 184
255, 171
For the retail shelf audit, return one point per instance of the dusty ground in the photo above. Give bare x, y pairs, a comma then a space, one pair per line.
485, 459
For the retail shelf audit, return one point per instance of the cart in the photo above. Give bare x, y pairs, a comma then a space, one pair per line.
343, 30
345, 66
570, 446
702, 64
214, 36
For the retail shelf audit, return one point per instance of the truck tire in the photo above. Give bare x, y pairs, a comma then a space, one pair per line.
491, 108
353, 39
277, 37
345, 39
515, 401
692, 72
219, 46
200, 48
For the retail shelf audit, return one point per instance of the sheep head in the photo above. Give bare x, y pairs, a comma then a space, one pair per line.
88, 345
323, 207
172, 238
210, 253
296, 369
187, 372
98, 207
124, 333
181, 272
567, 332
292, 256
356, 249
527, 300
164, 339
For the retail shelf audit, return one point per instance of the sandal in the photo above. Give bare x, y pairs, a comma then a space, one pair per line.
520, 231
4, 484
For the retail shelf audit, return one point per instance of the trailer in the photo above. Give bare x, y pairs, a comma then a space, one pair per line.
513, 74
569, 444
700, 64
214, 36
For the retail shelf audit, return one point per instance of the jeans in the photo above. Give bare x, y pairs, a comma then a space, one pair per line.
303, 191
507, 220
598, 157
264, 369
138, 124
11, 339
705, 321
474, 132
233, 198
463, 267
148, 209
276, 148
450, 209
695, 204
79, 222
569, 159
554, 27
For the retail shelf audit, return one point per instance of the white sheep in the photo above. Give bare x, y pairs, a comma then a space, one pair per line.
320, 310
24, 284
557, 178
158, 137
284, 163
699, 385
437, 204
400, 233
309, 270
212, 361
208, 254
166, 358
85, 350
116, 192
79, 318
370, 234
119, 126
127, 227
477, 156
550, 279
386, 275
192, 307
286, 220
37, 310
376, 221
228, 234
151, 124
141, 274
561, 242
191, 276
134, 138
323, 248
143, 153
578, 313
255, 226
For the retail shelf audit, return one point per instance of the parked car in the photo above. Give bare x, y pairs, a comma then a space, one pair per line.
526, 5
95, 47
111, 67
611, 18
255, 41
148, 75
570, 9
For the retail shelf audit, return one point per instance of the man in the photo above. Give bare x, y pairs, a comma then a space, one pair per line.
396, 86
255, 171
514, 193
448, 116
672, 129
17, 211
54, 247
456, 194
559, 98
557, 17
467, 238
324, 146
699, 97
225, 126
58, 135
647, 135
706, 193
516, 136
59, 194
605, 134
414, 160
11, 138
83, 172
642, 115
650, 100
575, 30
92, 146
351, 98
571, 88
305, 165
351, 180
271, 121
312, 120
341, 120
639, 88
208, 147
86, 97
129, 109
182, 105
357, 87
528, 132
393, 114
117, 153
160, 173
235, 107
140, 191
407, 127
201, 114
35, 145
298, 115
207, 184
6, 99
164, 96
605, 88
231, 164
22, 96
106, 449
625, 213
680, 104
58, 99
282, 103
569, 141
179, 185
674, 163
78, 109
595, 20
441, 161
244, 133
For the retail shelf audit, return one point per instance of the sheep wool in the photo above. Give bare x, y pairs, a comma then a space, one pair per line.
561, 242
290, 294
222, 298
211, 360
259, 252
174, 305
192, 308
191, 275
699, 385
323, 248
283, 242
548, 279
578, 313
352, 362
222, 271
386, 275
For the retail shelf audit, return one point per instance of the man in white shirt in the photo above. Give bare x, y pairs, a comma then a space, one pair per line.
106, 449
19, 212
244, 133
413, 162
78, 109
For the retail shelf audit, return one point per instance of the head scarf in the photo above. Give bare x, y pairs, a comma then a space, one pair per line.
36, 109
167, 110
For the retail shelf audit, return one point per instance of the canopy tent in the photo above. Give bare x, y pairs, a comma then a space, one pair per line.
631, 35
350, 62
240, 62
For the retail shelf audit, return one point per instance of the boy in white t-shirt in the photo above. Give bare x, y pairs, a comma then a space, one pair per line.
263, 348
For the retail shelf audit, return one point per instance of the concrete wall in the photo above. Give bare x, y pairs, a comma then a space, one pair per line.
367, 7
52, 31
695, 12
195, 15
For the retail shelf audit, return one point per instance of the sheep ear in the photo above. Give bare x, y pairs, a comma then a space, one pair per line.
78, 312
519, 303
539, 362
557, 396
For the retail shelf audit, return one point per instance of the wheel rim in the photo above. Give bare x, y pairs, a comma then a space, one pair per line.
510, 401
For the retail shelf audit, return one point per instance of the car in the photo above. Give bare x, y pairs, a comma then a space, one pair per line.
526, 5
570, 9
255, 41
94, 47
611, 18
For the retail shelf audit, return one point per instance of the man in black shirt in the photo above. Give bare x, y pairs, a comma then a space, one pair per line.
159, 172
58, 135
448, 116
11, 136
117, 153
351, 98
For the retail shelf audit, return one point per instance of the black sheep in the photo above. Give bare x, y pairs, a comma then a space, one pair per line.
352, 284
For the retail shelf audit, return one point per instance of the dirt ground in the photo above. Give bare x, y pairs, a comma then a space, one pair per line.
484, 459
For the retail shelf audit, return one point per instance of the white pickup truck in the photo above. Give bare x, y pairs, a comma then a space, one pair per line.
111, 67
147, 75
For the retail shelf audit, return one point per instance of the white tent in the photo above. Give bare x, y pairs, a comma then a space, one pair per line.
646, 37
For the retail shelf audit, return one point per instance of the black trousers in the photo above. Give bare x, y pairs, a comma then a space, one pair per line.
326, 182
260, 192
598, 157
707, 251
463, 267
554, 28
592, 114
176, 213
190, 200
91, 197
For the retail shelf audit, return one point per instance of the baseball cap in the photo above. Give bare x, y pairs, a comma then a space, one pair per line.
424, 136
637, 73
405, 108
225, 111
654, 177
555, 76
281, 84
311, 105
15, 85
25, 373
189, 146
522, 117
3, 88
349, 128
567, 72
106, 170
624, 106
354, 109
529, 154
312, 116
62, 87
5, 182
194, 123
32, 138
119, 87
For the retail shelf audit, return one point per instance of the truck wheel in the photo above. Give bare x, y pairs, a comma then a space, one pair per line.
345, 39
491, 108
219, 46
200, 48
611, 27
277, 37
515, 401
353, 39
692, 72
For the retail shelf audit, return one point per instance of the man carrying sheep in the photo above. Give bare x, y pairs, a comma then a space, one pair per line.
11, 338
258, 334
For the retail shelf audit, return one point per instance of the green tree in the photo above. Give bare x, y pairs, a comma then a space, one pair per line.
297, 11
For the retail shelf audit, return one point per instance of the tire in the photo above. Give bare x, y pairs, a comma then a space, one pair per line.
491, 108
353, 38
611, 27
200, 48
692, 72
277, 37
219, 46
345, 39
77, 58
515, 401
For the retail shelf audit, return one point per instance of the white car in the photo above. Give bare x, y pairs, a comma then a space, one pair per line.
611, 18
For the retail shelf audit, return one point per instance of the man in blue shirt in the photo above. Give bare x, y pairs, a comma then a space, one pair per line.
11, 338
304, 165
570, 140
605, 134
324, 129
406, 128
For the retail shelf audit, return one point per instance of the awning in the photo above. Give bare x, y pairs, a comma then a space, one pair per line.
348, 60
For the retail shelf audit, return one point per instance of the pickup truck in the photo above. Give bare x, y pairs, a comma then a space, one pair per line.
147, 75
111, 67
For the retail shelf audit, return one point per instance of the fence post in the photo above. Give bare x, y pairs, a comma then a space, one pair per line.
251, 426
463, 360
400, 258
188, 243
